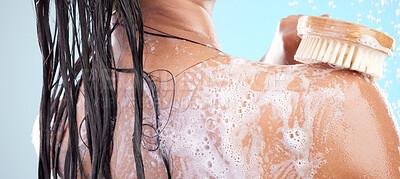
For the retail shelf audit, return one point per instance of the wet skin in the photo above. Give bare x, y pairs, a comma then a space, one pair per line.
236, 118
285, 42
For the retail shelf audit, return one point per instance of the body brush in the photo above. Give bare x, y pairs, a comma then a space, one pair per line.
342, 44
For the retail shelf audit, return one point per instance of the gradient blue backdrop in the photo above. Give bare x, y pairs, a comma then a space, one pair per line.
245, 29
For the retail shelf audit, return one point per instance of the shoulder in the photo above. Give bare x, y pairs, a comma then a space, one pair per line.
300, 78
364, 140
356, 125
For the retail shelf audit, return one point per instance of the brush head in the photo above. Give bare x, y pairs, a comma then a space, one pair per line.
343, 44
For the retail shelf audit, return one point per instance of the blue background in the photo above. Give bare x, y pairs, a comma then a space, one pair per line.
245, 29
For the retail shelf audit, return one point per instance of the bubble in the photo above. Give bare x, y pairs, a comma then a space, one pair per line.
295, 140
209, 164
210, 124
248, 96
302, 167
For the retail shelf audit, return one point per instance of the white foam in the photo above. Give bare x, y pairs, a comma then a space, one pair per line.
370, 41
235, 106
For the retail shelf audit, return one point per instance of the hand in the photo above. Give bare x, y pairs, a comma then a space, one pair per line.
291, 41
285, 42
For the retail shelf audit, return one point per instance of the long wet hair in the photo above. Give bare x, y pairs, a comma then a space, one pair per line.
76, 50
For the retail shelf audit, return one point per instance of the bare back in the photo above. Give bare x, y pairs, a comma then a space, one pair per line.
233, 118
225, 117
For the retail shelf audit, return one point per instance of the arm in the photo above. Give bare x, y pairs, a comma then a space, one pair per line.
285, 42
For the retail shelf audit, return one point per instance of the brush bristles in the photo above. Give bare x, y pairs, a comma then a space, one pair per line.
314, 49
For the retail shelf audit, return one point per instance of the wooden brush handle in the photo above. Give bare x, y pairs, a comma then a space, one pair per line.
345, 31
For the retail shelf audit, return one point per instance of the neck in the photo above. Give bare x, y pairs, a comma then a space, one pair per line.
183, 18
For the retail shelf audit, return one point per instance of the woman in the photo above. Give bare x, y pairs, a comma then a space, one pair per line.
159, 99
